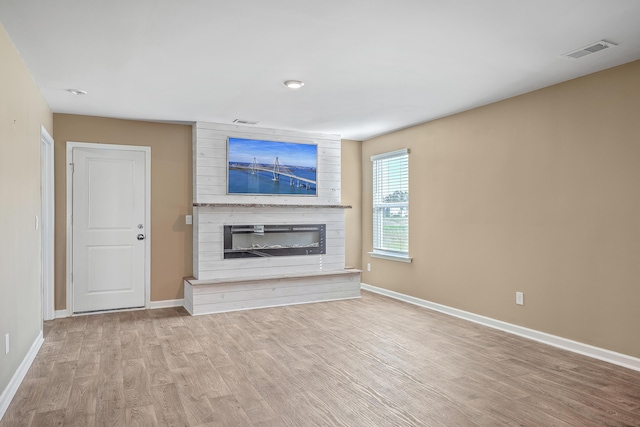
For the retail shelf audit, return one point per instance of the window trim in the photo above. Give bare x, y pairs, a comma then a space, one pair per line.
391, 256
397, 153
380, 253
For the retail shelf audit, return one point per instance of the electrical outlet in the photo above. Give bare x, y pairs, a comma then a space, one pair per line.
368, 266
520, 298
6, 344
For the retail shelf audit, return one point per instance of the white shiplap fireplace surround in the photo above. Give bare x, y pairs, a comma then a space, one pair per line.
220, 284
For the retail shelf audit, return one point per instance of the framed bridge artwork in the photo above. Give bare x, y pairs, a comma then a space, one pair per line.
271, 167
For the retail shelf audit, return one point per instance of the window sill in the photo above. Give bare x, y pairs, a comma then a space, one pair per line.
391, 257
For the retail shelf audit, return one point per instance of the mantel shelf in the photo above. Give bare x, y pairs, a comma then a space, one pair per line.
265, 205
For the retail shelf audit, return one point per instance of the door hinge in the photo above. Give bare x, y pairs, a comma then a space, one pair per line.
73, 167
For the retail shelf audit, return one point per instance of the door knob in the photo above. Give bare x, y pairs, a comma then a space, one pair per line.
140, 237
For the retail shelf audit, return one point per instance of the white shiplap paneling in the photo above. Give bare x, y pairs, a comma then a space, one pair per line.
209, 243
273, 280
219, 296
210, 164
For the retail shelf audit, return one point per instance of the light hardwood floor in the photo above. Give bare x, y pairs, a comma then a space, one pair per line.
368, 362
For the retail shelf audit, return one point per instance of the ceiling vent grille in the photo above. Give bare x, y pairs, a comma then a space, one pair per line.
245, 122
588, 50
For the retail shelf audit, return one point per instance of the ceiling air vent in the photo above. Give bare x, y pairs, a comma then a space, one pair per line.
588, 50
245, 122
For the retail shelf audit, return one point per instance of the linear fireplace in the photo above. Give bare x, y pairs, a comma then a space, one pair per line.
250, 241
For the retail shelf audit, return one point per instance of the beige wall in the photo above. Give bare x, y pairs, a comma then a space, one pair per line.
23, 111
351, 194
171, 194
539, 194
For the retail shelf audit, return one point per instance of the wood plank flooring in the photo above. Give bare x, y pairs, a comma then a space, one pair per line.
368, 362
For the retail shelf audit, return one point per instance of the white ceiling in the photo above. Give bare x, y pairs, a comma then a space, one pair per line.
369, 66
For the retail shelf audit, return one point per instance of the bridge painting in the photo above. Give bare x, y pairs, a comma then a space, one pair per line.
269, 167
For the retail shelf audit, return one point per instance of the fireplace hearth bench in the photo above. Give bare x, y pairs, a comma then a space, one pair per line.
244, 293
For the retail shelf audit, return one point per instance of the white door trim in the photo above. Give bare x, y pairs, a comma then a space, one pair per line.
48, 224
147, 261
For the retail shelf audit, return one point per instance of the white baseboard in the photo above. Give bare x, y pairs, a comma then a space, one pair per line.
553, 340
59, 314
152, 305
10, 391
168, 303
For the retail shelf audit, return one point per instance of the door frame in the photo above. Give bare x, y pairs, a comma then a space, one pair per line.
69, 196
47, 180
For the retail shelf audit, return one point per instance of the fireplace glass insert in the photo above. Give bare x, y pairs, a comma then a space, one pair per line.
249, 241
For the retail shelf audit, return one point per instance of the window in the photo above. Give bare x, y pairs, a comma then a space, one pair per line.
391, 205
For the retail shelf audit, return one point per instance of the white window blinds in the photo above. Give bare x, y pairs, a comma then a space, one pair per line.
391, 203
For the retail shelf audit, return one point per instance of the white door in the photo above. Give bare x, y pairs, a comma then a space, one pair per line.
109, 230
48, 224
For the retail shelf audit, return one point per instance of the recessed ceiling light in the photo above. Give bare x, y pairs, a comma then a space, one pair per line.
294, 84
77, 91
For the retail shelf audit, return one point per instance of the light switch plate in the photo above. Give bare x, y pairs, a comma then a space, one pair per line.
188, 219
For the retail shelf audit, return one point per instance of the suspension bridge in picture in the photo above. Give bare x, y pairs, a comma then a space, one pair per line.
277, 171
